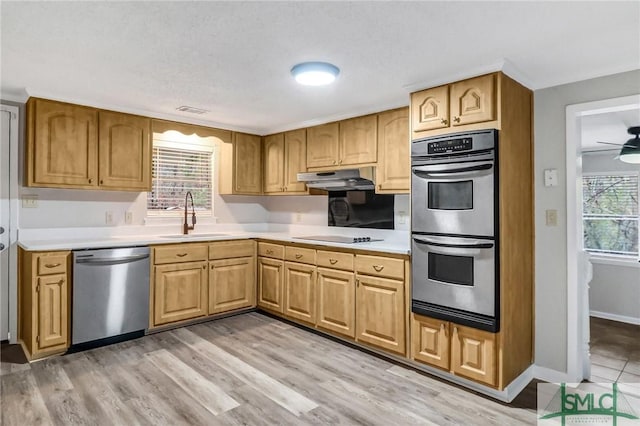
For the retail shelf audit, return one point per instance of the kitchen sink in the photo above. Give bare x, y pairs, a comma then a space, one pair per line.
179, 236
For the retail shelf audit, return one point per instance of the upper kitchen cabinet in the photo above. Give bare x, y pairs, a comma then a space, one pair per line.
285, 155
323, 145
393, 171
62, 141
240, 165
72, 146
465, 105
125, 151
346, 143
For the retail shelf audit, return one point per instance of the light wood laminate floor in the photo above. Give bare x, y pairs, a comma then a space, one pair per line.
244, 370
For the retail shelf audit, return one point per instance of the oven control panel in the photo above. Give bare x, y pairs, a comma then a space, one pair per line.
449, 145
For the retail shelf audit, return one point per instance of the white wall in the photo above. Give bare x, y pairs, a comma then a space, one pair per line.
615, 287
551, 259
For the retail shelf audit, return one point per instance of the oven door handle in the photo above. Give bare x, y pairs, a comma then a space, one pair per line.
463, 246
426, 171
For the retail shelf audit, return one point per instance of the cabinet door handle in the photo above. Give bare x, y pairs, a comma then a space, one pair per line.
52, 265
445, 121
378, 268
298, 256
269, 251
340, 162
333, 261
205, 267
61, 281
101, 182
456, 119
181, 254
357, 283
334, 161
90, 180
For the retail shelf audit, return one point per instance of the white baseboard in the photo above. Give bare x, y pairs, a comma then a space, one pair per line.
615, 317
551, 376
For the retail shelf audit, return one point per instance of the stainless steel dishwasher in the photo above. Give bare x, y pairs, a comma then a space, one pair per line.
110, 296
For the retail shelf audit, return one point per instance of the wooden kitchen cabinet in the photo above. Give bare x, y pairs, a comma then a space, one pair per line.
73, 146
336, 296
455, 106
232, 284
285, 155
240, 165
44, 302
358, 141
270, 284
394, 168
124, 151
430, 342
300, 292
473, 354
62, 145
323, 145
380, 309
180, 292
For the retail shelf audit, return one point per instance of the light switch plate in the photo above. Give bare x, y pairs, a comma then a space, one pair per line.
128, 218
108, 218
551, 217
29, 201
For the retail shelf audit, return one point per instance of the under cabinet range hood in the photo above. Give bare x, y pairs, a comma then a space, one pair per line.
340, 180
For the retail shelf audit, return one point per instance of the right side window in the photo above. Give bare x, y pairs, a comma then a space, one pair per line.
610, 214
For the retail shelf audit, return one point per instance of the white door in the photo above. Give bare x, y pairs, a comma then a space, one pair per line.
4, 223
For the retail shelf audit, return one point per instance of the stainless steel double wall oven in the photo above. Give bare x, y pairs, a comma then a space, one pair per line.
454, 225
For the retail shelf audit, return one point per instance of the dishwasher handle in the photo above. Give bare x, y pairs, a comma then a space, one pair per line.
110, 260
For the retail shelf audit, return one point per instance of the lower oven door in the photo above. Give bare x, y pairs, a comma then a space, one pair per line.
455, 276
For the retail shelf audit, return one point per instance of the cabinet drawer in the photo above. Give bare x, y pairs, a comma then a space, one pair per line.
179, 253
301, 255
232, 249
380, 266
335, 260
271, 250
52, 264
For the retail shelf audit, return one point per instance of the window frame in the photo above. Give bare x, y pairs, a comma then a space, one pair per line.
611, 258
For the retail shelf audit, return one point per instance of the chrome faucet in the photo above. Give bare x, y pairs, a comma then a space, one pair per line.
185, 226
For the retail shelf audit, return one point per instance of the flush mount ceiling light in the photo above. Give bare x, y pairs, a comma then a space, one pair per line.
315, 73
630, 152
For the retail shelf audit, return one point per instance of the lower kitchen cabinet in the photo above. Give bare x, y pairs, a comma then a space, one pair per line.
473, 354
430, 341
270, 284
300, 291
44, 302
232, 284
380, 312
336, 297
180, 291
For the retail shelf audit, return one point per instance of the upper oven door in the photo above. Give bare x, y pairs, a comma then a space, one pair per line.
453, 198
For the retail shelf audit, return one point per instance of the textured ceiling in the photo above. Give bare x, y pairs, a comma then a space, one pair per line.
233, 58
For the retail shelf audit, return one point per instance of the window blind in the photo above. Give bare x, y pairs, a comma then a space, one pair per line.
176, 171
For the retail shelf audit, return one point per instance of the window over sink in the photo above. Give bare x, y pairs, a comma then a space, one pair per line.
610, 214
181, 163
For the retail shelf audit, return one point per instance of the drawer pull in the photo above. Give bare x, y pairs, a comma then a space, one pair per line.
378, 268
269, 251
333, 261
205, 267
52, 265
181, 254
298, 256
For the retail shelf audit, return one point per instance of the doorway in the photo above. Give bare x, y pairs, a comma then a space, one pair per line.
592, 341
5, 220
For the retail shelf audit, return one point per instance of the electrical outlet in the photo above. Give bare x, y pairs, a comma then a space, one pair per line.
29, 201
551, 217
128, 218
402, 218
298, 217
108, 218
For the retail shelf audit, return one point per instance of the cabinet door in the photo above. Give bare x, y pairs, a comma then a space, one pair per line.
430, 341
270, 283
124, 151
473, 354
232, 284
247, 164
300, 291
63, 139
393, 171
274, 163
380, 312
429, 110
358, 140
52, 311
322, 145
180, 292
336, 301
295, 159
473, 100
